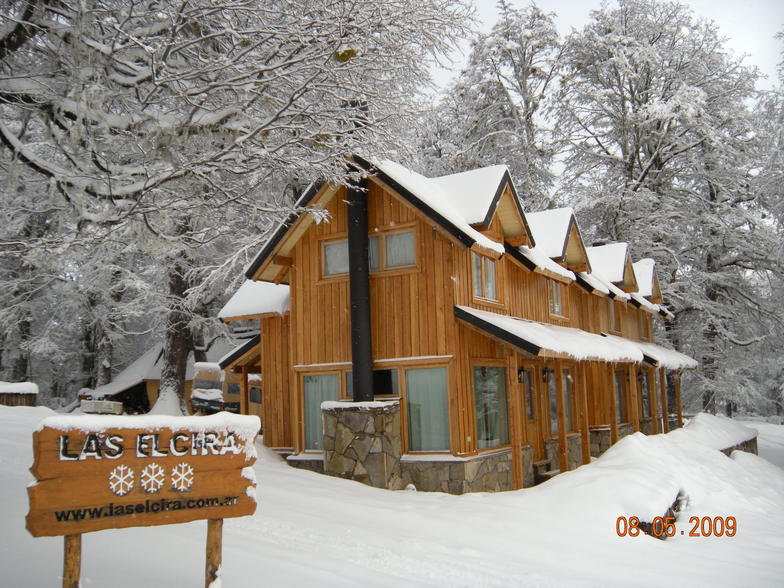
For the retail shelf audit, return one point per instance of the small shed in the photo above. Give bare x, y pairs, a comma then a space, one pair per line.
18, 393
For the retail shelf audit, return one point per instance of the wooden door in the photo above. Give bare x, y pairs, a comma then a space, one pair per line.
528, 387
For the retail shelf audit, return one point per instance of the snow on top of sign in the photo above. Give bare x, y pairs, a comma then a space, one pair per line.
569, 341
543, 261
549, 228
714, 431
432, 193
208, 367
594, 282
607, 261
244, 426
472, 192
18, 388
643, 270
349, 404
256, 298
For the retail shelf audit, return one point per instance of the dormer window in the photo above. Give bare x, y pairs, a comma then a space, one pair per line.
645, 325
556, 297
484, 277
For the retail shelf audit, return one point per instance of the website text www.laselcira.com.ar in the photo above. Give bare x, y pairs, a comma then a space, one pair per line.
148, 506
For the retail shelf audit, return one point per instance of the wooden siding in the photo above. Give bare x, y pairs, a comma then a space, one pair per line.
276, 392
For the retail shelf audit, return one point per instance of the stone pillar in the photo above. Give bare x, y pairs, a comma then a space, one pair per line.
362, 442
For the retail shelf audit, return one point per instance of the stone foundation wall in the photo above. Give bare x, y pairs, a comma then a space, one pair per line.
600, 440
483, 473
362, 442
646, 427
553, 453
302, 463
624, 429
574, 445
749, 446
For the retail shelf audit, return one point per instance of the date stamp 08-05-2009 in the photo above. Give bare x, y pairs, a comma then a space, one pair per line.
663, 527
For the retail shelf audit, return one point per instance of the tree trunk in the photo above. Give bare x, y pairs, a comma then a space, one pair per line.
21, 364
176, 346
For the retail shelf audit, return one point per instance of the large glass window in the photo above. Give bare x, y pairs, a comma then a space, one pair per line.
336, 258
483, 277
555, 297
399, 249
620, 400
254, 394
645, 394
317, 390
428, 417
525, 377
553, 398
615, 319
568, 399
645, 325
492, 423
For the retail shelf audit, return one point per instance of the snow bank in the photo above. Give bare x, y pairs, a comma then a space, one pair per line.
18, 388
714, 431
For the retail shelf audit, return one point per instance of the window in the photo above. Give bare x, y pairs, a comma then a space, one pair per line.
203, 384
384, 383
390, 251
483, 271
568, 399
553, 397
386, 251
555, 296
317, 390
525, 377
620, 400
233, 388
645, 394
615, 318
492, 426
426, 402
336, 257
254, 394
645, 325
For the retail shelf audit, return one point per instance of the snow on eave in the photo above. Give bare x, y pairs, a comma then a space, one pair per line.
594, 283
18, 388
536, 338
550, 229
429, 197
660, 356
541, 263
256, 298
647, 305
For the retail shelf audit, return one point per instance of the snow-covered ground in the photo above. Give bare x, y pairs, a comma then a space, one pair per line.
312, 530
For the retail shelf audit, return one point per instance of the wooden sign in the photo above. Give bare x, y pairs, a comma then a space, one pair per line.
107, 472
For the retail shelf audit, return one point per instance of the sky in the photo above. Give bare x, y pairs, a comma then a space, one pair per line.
749, 25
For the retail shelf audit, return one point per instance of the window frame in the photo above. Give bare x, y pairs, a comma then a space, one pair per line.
569, 400
493, 365
483, 282
554, 286
621, 396
341, 391
406, 425
380, 234
645, 327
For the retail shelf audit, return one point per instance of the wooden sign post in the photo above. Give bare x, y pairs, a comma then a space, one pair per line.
107, 472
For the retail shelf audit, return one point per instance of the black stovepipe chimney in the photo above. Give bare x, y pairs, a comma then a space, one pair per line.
359, 288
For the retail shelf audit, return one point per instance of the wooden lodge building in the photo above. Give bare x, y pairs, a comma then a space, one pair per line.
508, 349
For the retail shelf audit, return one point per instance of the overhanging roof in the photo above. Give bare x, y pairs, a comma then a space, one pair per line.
659, 356
238, 353
542, 340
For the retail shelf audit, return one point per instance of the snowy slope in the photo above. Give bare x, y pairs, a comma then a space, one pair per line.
312, 530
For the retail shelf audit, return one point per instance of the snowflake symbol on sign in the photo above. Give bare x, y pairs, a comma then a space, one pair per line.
152, 478
182, 477
121, 480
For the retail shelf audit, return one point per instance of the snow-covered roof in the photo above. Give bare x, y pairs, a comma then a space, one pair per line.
608, 261
432, 192
18, 388
472, 193
542, 261
660, 356
237, 352
148, 367
542, 339
643, 270
550, 229
254, 298
645, 304
595, 283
